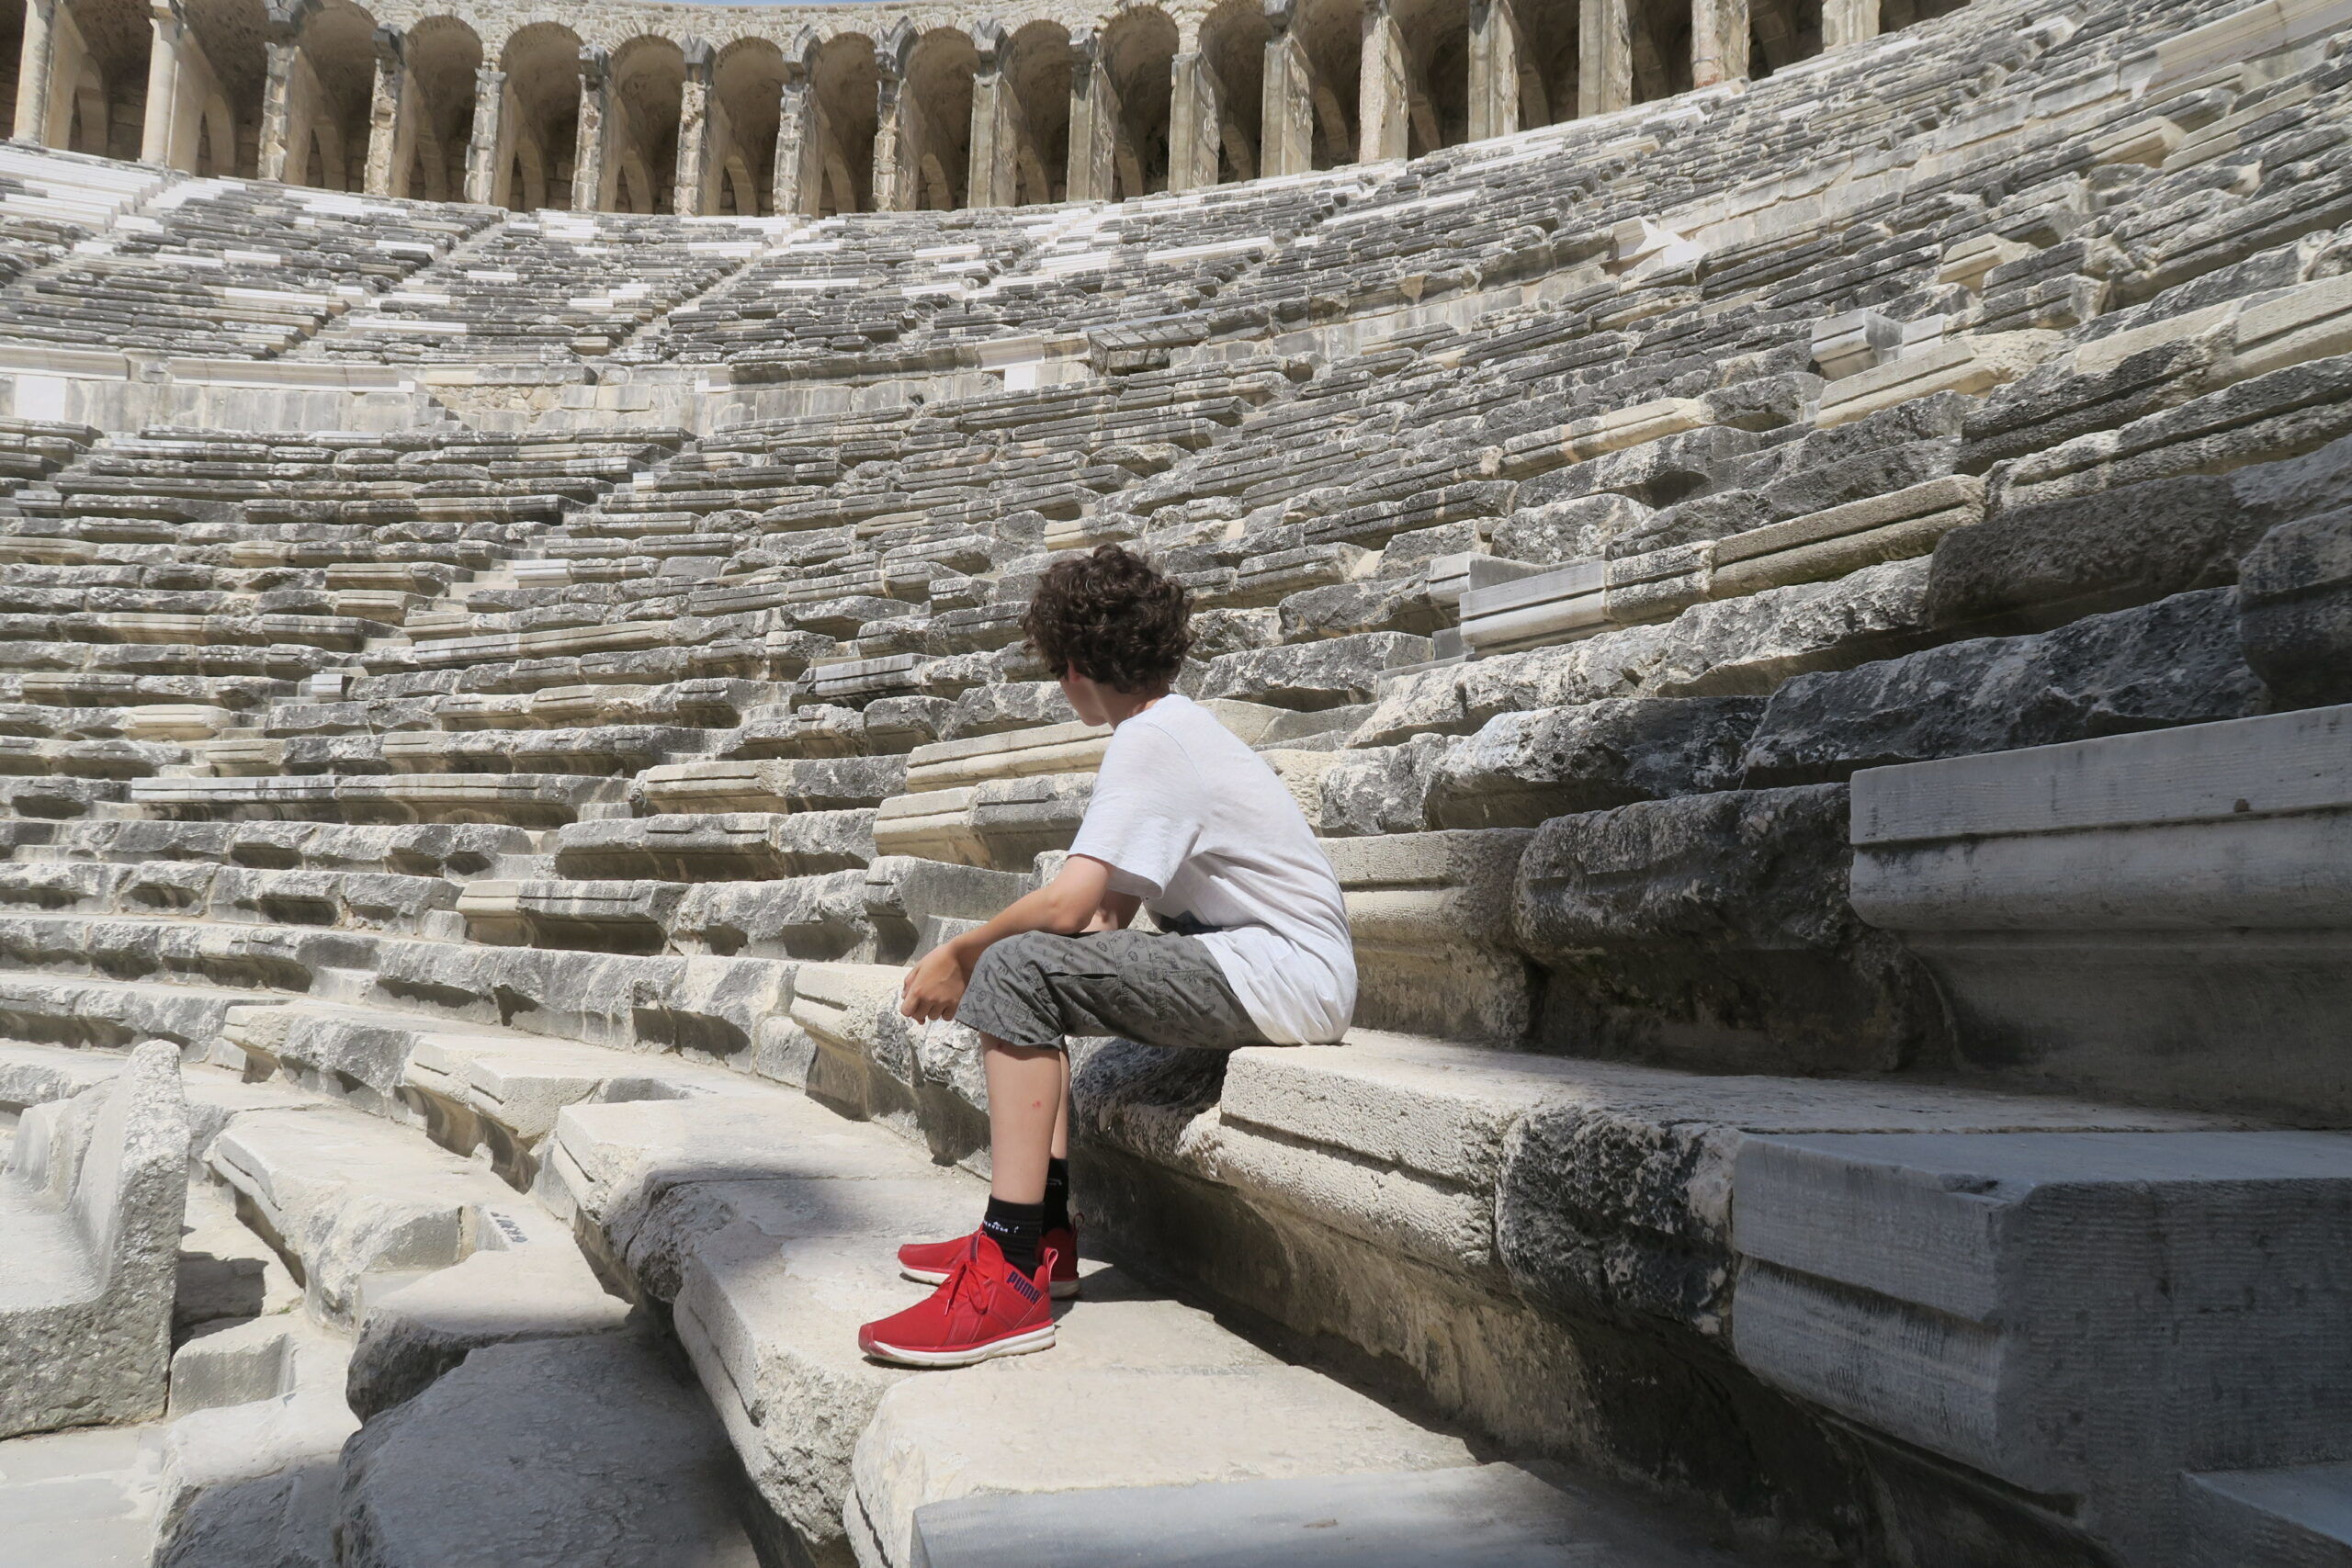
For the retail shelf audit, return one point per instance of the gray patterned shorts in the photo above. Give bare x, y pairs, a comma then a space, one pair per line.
1155, 987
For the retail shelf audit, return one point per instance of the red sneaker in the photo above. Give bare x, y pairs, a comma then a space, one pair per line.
986, 1308
930, 1262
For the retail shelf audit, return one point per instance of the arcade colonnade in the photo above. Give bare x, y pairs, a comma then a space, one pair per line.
821, 117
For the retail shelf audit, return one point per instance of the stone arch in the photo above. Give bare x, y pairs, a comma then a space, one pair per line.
224, 64
1781, 33
646, 89
1138, 56
843, 87
1548, 60
1331, 31
99, 76
539, 126
444, 55
1036, 64
12, 50
746, 84
330, 88
1437, 72
1228, 97
930, 142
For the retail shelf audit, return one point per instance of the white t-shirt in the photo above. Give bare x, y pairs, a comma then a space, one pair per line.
1195, 823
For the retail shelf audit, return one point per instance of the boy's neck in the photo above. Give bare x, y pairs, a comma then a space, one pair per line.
1121, 706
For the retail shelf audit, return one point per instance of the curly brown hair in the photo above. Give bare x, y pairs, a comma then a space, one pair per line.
1114, 616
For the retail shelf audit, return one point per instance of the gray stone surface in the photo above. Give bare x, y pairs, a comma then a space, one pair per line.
582, 1451
1487, 1517
2174, 662
2295, 610
90, 1205
1713, 931
2097, 910
1521, 769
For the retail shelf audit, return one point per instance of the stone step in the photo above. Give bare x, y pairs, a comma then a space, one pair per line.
1489, 1515
2295, 1517
2079, 1313
769, 1227
587, 1451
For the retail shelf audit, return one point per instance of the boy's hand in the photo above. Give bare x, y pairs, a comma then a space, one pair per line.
934, 985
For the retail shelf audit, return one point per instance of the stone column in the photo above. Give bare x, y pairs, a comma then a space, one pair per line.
392, 124
1494, 69
592, 171
1286, 114
1195, 118
36, 69
159, 140
278, 108
698, 133
994, 176
1093, 121
1384, 101
1604, 57
799, 144
1847, 21
490, 125
1718, 41
895, 185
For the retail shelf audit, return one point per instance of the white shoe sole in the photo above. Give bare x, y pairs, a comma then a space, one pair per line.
1063, 1289
1041, 1339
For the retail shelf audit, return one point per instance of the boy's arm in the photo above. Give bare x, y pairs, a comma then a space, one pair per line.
1077, 900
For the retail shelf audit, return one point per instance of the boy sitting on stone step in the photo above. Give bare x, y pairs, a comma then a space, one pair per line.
1252, 948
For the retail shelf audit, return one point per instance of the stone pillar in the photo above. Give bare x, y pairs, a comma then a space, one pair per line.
1286, 115
1195, 118
1383, 102
994, 176
897, 183
1093, 121
1847, 21
1718, 41
278, 108
166, 74
697, 133
35, 70
1604, 56
592, 165
392, 122
489, 127
799, 144
1494, 69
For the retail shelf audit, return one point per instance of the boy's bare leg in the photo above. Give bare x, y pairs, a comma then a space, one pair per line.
1026, 1094
1061, 1117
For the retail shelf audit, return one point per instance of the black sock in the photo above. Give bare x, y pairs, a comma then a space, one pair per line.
1058, 1195
1016, 1228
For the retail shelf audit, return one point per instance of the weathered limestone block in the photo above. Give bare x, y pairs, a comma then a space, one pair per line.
529, 1287
2037, 566
1073, 747
1329, 673
349, 1196
2098, 910
1752, 644
820, 917
1567, 530
1380, 790
247, 1471
1520, 770
1456, 699
842, 783
1841, 539
90, 1208
717, 847
591, 1449
604, 917
2295, 610
1004, 823
1971, 365
2174, 662
1435, 951
1992, 1298
1714, 930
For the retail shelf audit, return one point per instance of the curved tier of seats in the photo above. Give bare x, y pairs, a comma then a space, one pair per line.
1811, 620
